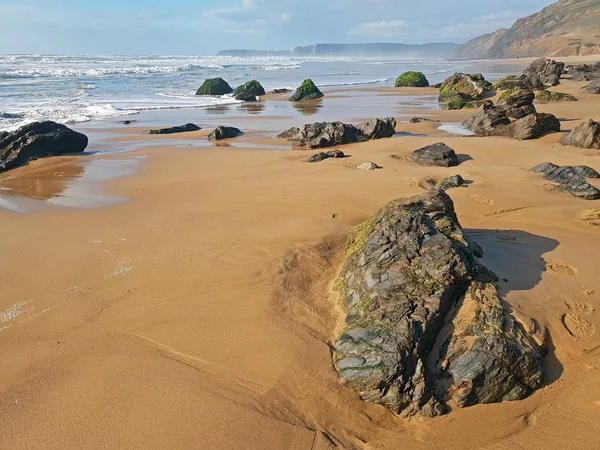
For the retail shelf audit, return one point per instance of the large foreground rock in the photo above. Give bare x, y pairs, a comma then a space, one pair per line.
250, 91
406, 268
438, 154
178, 129
570, 179
221, 133
544, 73
38, 140
214, 86
585, 135
307, 91
329, 134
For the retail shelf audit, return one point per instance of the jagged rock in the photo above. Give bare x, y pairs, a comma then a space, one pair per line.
250, 91
307, 91
512, 82
438, 154
224, 133
461, 89
490, 357
180, 129
570, 179
329, 134
584, 72
517, 103
368, 166
405, 269
38, 140
585, 135
489, 121
214, 86
451, 182
544, 73
421, 119
377, 128
551, 96
534, 126
593, 87
318, 157
412, 79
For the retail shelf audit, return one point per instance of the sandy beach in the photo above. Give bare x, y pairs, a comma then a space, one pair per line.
190, 303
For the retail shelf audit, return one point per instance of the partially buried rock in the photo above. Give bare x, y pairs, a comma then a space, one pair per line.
585, 135
318, 157
406, 269
280, 91
249, 92
329, 134
421, 119
180, 129
214, 86
438, 154
593, 87
307, 91
551, 96
368, 166
544, 73
412, 79
570, 179
38, 140
451, 182
221, 133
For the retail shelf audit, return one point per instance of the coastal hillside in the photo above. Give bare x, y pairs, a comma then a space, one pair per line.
566, 28
431, 51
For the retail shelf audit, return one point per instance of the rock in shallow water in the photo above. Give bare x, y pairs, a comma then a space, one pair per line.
249, 92
38, 140
406, 268
307, 91
221, 133
180, 129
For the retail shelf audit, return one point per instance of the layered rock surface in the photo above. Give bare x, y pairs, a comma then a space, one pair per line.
585, 135
38, 140
410, 272
570, 179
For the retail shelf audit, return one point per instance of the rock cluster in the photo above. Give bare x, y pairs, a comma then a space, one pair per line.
214, 86
307, 91
463, 91
249, 92
179, 129
543, 73
438, 154
221, 133
412, 79
583, 72
570, 179
38, 140
330, 134
585, 135
423, 325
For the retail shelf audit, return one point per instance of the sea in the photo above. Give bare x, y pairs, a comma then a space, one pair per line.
76, 89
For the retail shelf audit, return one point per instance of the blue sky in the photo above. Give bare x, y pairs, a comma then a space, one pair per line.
202, 27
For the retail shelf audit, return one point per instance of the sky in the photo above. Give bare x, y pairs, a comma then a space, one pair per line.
203, 27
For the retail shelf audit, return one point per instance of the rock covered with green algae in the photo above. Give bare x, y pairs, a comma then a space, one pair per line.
412, 79
307, 91
406, 268
551, 96
214, 86
463, 90
250, 91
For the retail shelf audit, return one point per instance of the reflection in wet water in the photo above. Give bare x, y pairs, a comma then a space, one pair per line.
218, 110
252, 107
308, 108
67, 182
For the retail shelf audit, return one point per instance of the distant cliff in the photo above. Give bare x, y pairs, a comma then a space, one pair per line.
430, 51
566, 28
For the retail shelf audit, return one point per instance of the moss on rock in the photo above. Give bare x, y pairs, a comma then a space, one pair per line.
214, 86
549, 96
307, 91
412, 79
249, 91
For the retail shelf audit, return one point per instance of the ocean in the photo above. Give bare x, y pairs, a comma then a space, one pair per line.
75, 89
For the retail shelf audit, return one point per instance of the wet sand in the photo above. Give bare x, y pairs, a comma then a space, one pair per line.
198, 313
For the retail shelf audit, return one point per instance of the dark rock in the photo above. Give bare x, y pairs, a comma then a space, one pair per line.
438, 154
517, 103
250, 91
551, 96
585, 135
405, 269
534, 126
280, 91
307, 91
38, 140
318, 157
584, 72
127, 122
412, 79
329, 134
570, 179
180, 129
224, 133
451, 182
512, 82
489, 121
593, 87
544, 73
422, 119
214, 86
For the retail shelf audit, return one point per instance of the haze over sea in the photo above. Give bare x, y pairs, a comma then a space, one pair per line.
72, 89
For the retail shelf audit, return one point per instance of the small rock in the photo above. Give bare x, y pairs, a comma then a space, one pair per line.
318, 157
221, 133
368, 166
570, 179
280, 91
585, 135
180, 129
451, 182
438, 154
422, 119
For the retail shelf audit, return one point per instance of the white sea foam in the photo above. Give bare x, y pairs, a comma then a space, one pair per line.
454, 128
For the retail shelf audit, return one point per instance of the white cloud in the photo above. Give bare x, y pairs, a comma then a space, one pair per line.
384, 28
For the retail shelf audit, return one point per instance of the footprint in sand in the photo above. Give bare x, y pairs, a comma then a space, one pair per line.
411, 181
580, 307
579, 329
559, 267
480, 199
590, 292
